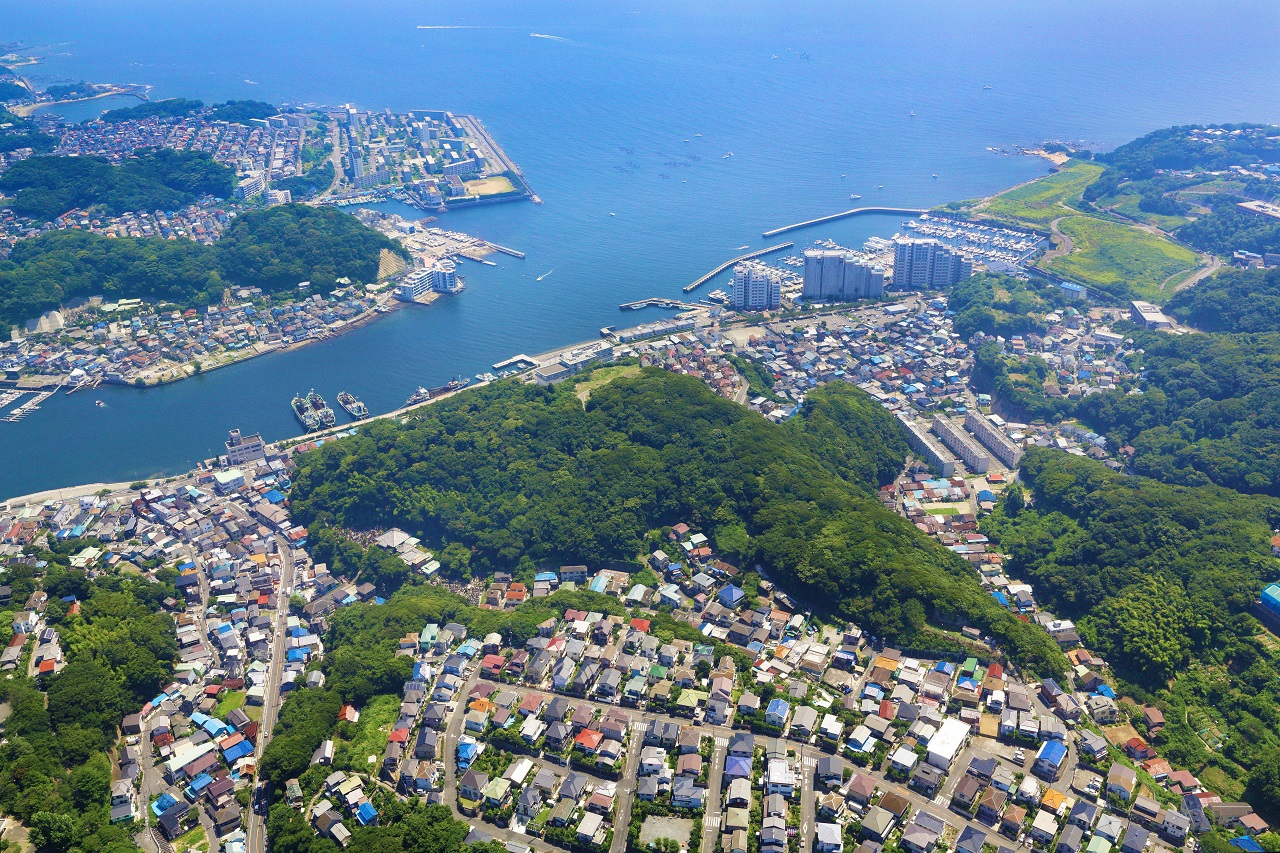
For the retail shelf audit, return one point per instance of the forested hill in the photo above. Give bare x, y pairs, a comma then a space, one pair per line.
273, 249
1231, 301
44, 188
1160, 580
513, 475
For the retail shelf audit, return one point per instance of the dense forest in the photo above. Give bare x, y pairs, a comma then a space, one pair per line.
168, 108
1210, 411
272, 249
1228, 229
44, 188
276, 248
1160, 579
1231, 301
55, 771
514, 475
242, 112
1002, 305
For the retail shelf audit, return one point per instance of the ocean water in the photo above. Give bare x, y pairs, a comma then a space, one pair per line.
624, 108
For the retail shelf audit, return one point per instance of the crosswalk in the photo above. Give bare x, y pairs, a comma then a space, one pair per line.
713, 821
721, 740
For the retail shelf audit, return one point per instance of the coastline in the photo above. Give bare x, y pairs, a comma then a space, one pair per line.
137, 91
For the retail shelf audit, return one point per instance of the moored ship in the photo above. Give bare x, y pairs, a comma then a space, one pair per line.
302, 411
321, 409
353, 406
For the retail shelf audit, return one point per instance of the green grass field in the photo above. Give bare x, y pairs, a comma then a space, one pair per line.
1127, 204
228, 702
1040, 202
1108, 254
373, 729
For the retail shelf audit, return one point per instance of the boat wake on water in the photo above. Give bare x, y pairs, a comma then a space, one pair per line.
545, 274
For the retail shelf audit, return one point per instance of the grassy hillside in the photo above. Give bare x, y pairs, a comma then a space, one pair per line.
513, 476
1037, 203
1121, 260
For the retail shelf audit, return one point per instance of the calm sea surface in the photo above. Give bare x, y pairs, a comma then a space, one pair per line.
624, 108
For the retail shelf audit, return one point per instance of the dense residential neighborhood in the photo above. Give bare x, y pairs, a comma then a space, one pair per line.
605, 730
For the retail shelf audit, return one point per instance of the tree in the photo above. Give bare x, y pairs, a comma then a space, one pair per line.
53, 832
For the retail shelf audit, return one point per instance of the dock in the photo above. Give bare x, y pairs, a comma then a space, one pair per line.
661, 302
914, 211
504, 250
756, 254
30, 406
516, 361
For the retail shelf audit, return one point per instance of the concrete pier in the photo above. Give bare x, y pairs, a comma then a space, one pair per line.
715, 272
914, 211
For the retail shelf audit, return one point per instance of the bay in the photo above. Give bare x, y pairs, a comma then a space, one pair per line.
598, 117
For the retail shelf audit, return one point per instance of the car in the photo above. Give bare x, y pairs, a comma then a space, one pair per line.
1019, 756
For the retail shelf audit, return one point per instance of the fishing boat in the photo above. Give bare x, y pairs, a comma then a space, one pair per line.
100, 404
321, 409
303, 413
422, 395
354, 407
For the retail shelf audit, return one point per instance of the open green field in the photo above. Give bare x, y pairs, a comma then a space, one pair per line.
373, 729
1040, 202
228, 702
603, 376
1108, 254
490, 186
1127, 204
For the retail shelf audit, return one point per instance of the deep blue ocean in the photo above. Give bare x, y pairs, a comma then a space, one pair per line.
604, 117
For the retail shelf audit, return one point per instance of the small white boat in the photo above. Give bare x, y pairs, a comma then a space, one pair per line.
854, 196
612, 214
913, 112
100, 404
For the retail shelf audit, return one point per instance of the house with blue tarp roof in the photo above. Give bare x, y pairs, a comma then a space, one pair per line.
546, 577
945, 666
1001, 597
297, 655
1247, 843
1104, 690
467, 753
197, 786
274, 496
162, 803
238, 751
215, 728
367, 814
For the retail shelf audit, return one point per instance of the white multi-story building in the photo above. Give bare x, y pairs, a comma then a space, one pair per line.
933, 453
253, 183
928, 265
756, 286
961, 444
836, 275
242, 449
993, 439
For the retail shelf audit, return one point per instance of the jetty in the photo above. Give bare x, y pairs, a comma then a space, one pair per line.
914, 211
748, 256
659, 302
504, 250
